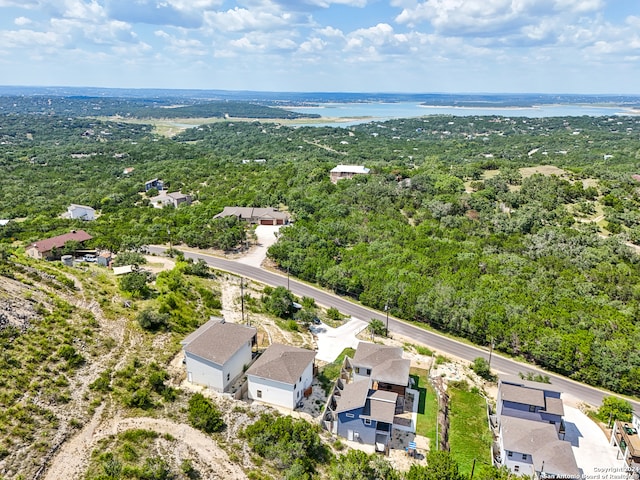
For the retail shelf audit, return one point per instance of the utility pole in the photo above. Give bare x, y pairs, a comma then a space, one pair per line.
386, 309
288, 278
473, 467
491, 351
169, 233
242, 297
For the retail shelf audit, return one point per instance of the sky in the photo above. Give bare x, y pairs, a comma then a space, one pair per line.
413, 46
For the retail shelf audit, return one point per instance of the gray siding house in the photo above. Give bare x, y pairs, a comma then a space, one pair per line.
217, 353
531, 430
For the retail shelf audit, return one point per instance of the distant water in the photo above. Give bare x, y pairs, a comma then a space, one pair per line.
366, 112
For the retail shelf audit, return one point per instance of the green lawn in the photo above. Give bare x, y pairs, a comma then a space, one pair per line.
331, 371
428, 407
469, 435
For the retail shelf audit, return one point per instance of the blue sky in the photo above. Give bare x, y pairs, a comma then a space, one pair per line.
542, 46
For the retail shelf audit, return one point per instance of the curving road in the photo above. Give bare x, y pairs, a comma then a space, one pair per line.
435, 341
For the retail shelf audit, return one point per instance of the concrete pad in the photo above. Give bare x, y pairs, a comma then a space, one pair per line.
267, 236
590, 445
332, 341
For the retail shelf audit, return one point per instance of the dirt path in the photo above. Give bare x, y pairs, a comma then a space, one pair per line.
72, 460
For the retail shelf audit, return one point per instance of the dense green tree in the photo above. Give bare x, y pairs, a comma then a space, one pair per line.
279, 302
615, 408
358, 465
204, 414
440, 466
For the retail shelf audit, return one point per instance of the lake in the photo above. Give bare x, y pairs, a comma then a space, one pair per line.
356, 113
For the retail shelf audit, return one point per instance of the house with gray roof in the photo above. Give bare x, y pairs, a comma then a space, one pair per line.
255, 215
372, 397
531, 430
175, 199
217, 353
281, 375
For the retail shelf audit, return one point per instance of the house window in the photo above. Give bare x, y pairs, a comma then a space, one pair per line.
516, 468
524, 456
259, 393
532, 408
368, 371
349, 415
509, 454
367, 421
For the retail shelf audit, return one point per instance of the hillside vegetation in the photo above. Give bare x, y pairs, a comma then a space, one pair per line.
447, 229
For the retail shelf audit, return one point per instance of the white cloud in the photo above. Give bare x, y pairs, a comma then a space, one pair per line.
22, 21
242, 19
313, 45
182, 46
80, 10
489, 17
28, 38
330, 32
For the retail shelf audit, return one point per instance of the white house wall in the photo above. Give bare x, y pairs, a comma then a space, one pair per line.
279, 393
235, 366
214, 376
203, 372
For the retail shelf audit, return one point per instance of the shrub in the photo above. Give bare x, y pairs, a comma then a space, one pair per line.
615, 408
204, 415
151, 320
334, 314
482, 368
377, 327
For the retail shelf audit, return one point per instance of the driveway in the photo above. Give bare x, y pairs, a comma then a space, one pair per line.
332, 341
266, 237
590, 445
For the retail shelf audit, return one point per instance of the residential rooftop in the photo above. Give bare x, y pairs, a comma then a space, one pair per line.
282, 363
217, 341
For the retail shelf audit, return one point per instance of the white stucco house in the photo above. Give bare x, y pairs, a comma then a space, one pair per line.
217, 353
80, 212
281, 375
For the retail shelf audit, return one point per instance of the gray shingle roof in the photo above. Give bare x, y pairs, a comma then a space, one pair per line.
526, 396
217, 341
539, 440
386, 363
282, 363
354, 395
380, 406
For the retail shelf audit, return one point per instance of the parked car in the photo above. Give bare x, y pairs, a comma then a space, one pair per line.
90, 258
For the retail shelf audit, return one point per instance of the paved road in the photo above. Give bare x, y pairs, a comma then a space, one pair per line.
432, 340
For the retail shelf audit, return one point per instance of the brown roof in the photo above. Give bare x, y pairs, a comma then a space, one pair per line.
282, 363
217, 341
58, 242
526, 396
540, 440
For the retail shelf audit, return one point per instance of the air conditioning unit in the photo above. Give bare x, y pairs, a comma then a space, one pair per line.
356, 435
